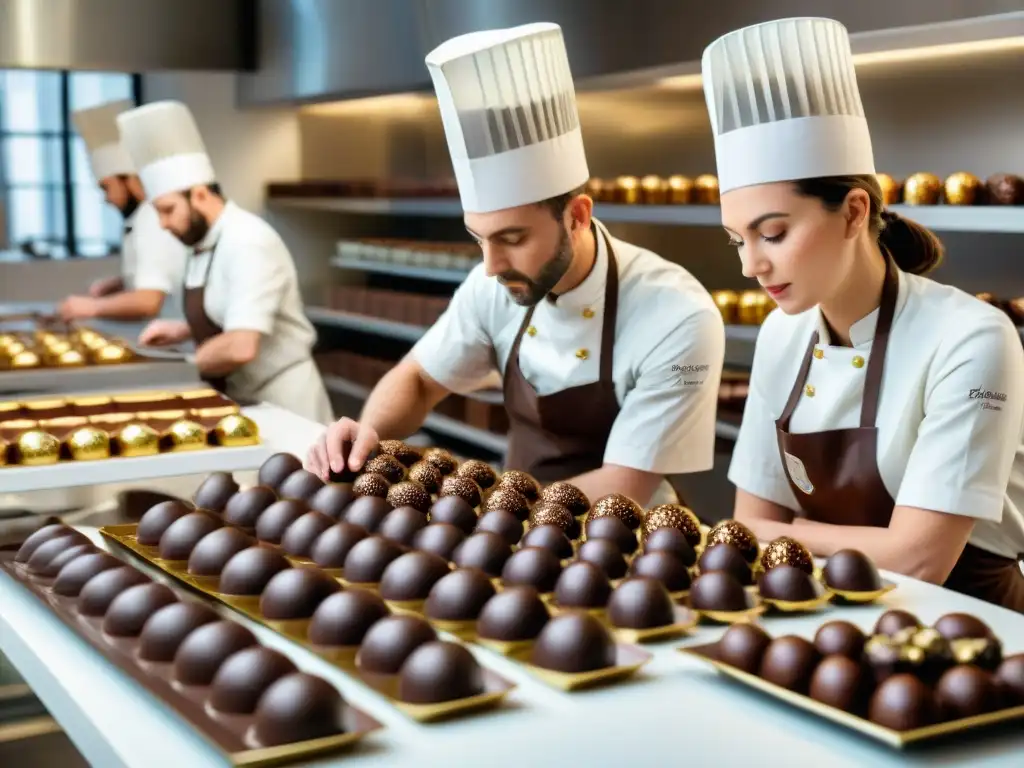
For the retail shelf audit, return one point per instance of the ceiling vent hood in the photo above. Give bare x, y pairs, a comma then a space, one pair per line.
127, 35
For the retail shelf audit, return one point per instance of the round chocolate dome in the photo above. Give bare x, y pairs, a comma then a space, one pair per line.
157, 520
582, 585
275, 519
606, 555
574, 642
333, 545
298, 707
454, 511
549, 537
390, 641
129, 611
245, 507
533, 567
295, 593
299, 537
277, 468
486, 551
182, 536
641, 603
402, 524
99, 592
368, 512
214, 492
333, 499
366, 561
439, 671
412, 575
248, 571
459, 596
344, 618
168, 627
213, 551
244, 676
201, 653
440, 538
300, 485
512, 615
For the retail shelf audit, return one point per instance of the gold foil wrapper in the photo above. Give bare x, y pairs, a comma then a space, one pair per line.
138, 440
892, 190
706, 189
654, 190
680, 190
37, 448
922, 189
728, 304
70, 358
236, 430
88, 444
963, 188
629, 660
25, 359
185, 435
627, 190
111, 354
753, 307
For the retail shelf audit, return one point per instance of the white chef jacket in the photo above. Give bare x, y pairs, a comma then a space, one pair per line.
950, 414
152, 259
669, 352
253, 286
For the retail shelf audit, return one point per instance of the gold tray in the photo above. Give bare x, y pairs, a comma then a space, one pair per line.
628, 661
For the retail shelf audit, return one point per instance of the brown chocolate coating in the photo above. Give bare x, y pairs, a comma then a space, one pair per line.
184, 534
641, 603
891, 622
406, 454
1005, 189
333, 545
956, 626
388, 467
157, 520
674, 542
480, 472
440, 538
521, 482
301, 485
1010, 676
402, 524
73, 576
167, 629
841, 682
409, 494
454, 511
298, 707
441, 460
129, 611
463, 487
787, 551
248, 572
99, 592
459, 596
574, 642
726, 557
737, 534
606, 555
48, 550
62, 558
367, 512
614, 530
583, 585
244, 676
966, 691
43, 535
789, 661
371, 485
485, 550
213, 551
295, 593
214, 492
244, 508
347, 475
743, 646
333, 499
840, 638
427, 475
902, 702
617, 505
299, 537
549, 537
718, 591
439, 671
568, 496
201, 653
344, 618
509, 500
503, 523
534, 567
788, 583
674, 516
276, 519
514, 614
549, 513
851, 571
984, 652
367, 560
274, 470
389, 642
664, 568
412, 575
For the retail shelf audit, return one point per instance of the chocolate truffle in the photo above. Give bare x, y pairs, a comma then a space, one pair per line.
441, 460
427, 475
503, 523
367, 560
840, 638
1010, 676
74, 575
406, 454
300, 485
440, 538
789, 661
333, 545
344, 618
787, 583
183, 534
47, 532
389, 642
300, 536
957, 626
244, 676
1005, 189
409, 494
614, 530
157, 520
641, 603
459, 596
841, 682
480, 472
617, 505
248, 572
298, 707
388, 467
573, 643
549, 537
787, 551
244, 508
512, 615
508, 500
891, 622
48, 550
606, 555
295, 593
402, 524
568, 496
99, 591
582, 585
367, 512
371, 485
129, 611
966, 691
347, 475
485, 550
885, 657
213, 551
167, 629
522, 483
718, 591
412, 575
454, 511
549, 513
274, 470
983, 652
738, 535
462, 487
672, 541
62, 558
201, 653
743, 646
664, 568
214, 492
333, 499
727, 558
276, 519
675, 517
533, 567
902, 702
851, 571
439, 671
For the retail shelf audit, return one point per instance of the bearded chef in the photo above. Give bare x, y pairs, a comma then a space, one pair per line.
886, 410
152, 260
610, 357
241, 294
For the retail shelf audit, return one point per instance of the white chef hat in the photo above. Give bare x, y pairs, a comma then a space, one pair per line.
784, 104
166, 146
98, 128
509, 110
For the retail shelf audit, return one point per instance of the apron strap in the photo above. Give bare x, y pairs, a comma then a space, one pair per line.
798, 384
611, 312
879, 346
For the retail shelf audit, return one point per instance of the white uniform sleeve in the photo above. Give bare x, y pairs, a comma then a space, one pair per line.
972, 427
457, 351
666, 423
259, 279
159, 255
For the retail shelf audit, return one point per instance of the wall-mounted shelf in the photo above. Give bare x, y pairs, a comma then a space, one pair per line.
341, 319
438, 274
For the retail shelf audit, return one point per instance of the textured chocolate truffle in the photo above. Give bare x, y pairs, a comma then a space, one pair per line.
522, 483
956, 626
549, 513
966, 691
1010, 676
534, 567
389, 642
902, 702
891, 622
214, 492
402, 524
300, 485
99, 592
244, 508
333, 499
274, 470
55, 564
672, 541
664, 568
298, 707
614, 530
789, 661
344, 618
440, 538
1005, 189
462, 487
567, 495
851, 571
388, 467
512, 615
574, 642
841, 682
47, 532
295, 593
276, 519
454, 511
727, 558
412, 575
167, 629
718, 591
74, 575
248, 572
441, 460
333, 545
509, 500
617, 505
486, 551
367, 512
406, 454
371, 485
787, 583
427, 475
129, 611
201, 653
213, 551
549, 537
983, 652
787, 551
673, 516
738, 535
606, 555
439, 671
840, 638
367, 560
503, 523
459, 596
183, 534
480, 472
409, 494
743, 646
582, 585
157, 520
300, 536
244, 676
641, 603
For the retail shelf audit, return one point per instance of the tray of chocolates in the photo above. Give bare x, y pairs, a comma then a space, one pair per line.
54, 345
904, 683
249, 701
655, 190
960, 188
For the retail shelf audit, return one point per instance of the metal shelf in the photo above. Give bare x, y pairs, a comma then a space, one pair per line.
439, 274
341, 319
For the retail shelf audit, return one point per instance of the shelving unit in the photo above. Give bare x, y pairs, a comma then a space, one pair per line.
436, 274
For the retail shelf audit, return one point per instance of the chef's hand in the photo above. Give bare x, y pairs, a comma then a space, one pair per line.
105, 286
160, 333
328, 454
77, 307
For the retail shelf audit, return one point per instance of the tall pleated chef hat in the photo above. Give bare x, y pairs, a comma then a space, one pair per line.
784, 104
509, 110
167, 148
98, 128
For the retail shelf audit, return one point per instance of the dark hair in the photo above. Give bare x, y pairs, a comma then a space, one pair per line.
214, 188
558, 203
914, 248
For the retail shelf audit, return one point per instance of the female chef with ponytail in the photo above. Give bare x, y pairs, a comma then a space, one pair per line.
886, 410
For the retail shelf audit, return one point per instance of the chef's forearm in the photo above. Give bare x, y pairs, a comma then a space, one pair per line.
612, 478
130, 305
399, 404
226, 352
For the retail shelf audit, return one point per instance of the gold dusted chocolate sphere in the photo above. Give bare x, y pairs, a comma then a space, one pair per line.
111, 354
138, 440
187, 435
735, 533
728, 304
25, 359
504, 497
427, 475
627, 190
672, 516
88, 444
787, 551
37, 448
550, 513
706, 189
568, 496
680, 190
891, 189
70, 358
236, 431
439, 458
480, 472
371, 485
406, 454
654, 190
522, 482
963, 188
922, 189
409, 493
617, 505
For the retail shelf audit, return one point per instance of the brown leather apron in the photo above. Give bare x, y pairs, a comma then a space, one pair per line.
835, 478
200, 325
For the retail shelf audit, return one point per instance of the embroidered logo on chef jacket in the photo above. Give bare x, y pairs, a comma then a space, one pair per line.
690, 375
798, 473
989, 399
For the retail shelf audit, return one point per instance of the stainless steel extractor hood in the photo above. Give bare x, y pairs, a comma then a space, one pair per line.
127, 35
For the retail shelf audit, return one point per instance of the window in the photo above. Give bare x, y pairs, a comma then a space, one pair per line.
49, 201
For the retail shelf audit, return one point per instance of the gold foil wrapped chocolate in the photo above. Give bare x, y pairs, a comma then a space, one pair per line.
138, 440
88, 444
598, 189
728, 304
680, 190
236, 431
892, 190
753, 307
25, 359
922, 189
111, 354
37, 448
672, 516
787, 551
186, 435
654, 190
963, 188
706, 189
735, 533
70, 358
627, 190
620, 506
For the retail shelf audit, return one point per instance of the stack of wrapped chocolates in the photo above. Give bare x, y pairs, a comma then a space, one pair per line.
655, 190
68, 348
743, 307
960, 188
